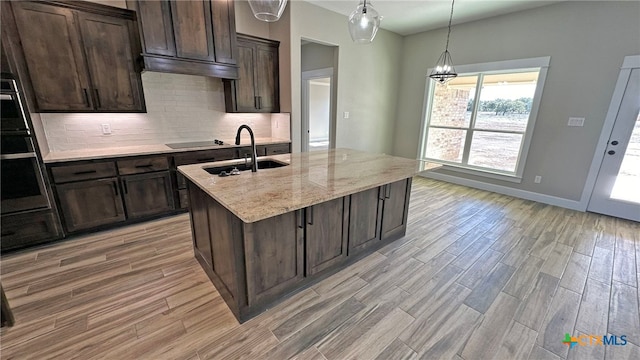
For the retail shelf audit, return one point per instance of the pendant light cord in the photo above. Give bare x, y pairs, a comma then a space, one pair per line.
364, 7
446, 48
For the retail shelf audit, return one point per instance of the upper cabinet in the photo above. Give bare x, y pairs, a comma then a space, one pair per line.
257, 88
188, 37
77, 57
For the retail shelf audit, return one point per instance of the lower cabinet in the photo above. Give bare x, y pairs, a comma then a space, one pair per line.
365, 213
326, 234
255, 264
147, 194
88, 204
395, 209
43, 226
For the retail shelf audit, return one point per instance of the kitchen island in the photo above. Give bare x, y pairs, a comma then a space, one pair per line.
261, 236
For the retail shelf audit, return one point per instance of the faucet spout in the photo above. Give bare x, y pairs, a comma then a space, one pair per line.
254, 162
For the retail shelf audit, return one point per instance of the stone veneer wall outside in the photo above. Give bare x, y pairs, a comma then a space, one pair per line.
449, 108
180, 108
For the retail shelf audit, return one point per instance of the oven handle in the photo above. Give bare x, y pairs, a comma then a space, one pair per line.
18, 156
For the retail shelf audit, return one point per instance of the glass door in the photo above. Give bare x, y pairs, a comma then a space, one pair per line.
617, 188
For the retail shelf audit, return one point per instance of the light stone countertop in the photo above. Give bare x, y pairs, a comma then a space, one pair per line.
113, 152
311, 178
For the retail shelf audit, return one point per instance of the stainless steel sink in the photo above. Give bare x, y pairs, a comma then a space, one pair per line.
262, 164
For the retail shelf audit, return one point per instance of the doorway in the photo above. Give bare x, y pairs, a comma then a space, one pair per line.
318, 95
616, 190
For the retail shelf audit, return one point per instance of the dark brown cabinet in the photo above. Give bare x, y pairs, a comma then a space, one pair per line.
326, 234
189, 37
147, 194
257, 88
78, 58
395, 208
88, 204
43, 226
365, 214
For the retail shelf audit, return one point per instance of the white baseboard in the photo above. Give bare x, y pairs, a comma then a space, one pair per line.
505, 190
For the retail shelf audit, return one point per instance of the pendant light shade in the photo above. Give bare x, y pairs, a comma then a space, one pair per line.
444, 71
364, 22
267, 10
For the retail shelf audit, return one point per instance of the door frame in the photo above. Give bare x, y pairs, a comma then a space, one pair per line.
304, 126
630, 62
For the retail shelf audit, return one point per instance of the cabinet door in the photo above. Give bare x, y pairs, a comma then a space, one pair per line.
53, 57
267, 83
107, 43
395, 209
244, 87
154, 17
224, 30
147, 194
88, 204
326, 242
365, 219
192, 29
274, 255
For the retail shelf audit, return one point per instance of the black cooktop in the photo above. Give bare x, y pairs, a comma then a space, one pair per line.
195, 144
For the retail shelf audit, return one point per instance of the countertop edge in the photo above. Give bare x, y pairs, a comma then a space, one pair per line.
55, 157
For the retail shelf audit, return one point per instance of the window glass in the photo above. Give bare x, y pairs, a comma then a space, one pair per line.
452, 104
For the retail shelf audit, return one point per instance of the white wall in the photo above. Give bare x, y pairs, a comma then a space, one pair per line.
246, 23
587, 42
367, 82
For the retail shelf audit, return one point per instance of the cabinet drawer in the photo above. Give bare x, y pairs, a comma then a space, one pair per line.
277, 149
204, 156
22, 230
142, 165
68, 173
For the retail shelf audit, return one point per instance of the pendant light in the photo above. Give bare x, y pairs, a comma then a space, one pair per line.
444, 71
364, 22
267, 10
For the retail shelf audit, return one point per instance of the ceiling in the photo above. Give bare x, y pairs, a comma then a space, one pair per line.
406, 17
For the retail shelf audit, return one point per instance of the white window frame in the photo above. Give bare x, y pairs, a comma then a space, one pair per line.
540, 64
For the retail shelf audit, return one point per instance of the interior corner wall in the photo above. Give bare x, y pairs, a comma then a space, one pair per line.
587, 42
367, 82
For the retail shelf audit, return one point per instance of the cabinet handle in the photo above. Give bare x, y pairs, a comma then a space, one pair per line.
8, 233
387, 191
310, 215
86, 97
144, 166
97, 97
255, 102
115, 187
84, 172
259, 102
300, 219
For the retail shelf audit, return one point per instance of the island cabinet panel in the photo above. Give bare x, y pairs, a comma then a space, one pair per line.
326, 235
395, 209
274, 252
225, 231
365, 219
198, 210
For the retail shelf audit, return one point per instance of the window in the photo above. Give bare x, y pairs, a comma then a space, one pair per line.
482, 120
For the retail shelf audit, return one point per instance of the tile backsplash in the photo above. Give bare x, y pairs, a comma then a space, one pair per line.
180, 108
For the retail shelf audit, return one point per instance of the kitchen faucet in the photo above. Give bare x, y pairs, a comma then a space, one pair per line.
254, 162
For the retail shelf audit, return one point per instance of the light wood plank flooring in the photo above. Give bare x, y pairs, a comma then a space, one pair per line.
478, 276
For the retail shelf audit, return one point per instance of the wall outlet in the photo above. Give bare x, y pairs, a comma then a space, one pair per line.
537, 179
106, 129
576, 121
345, 115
